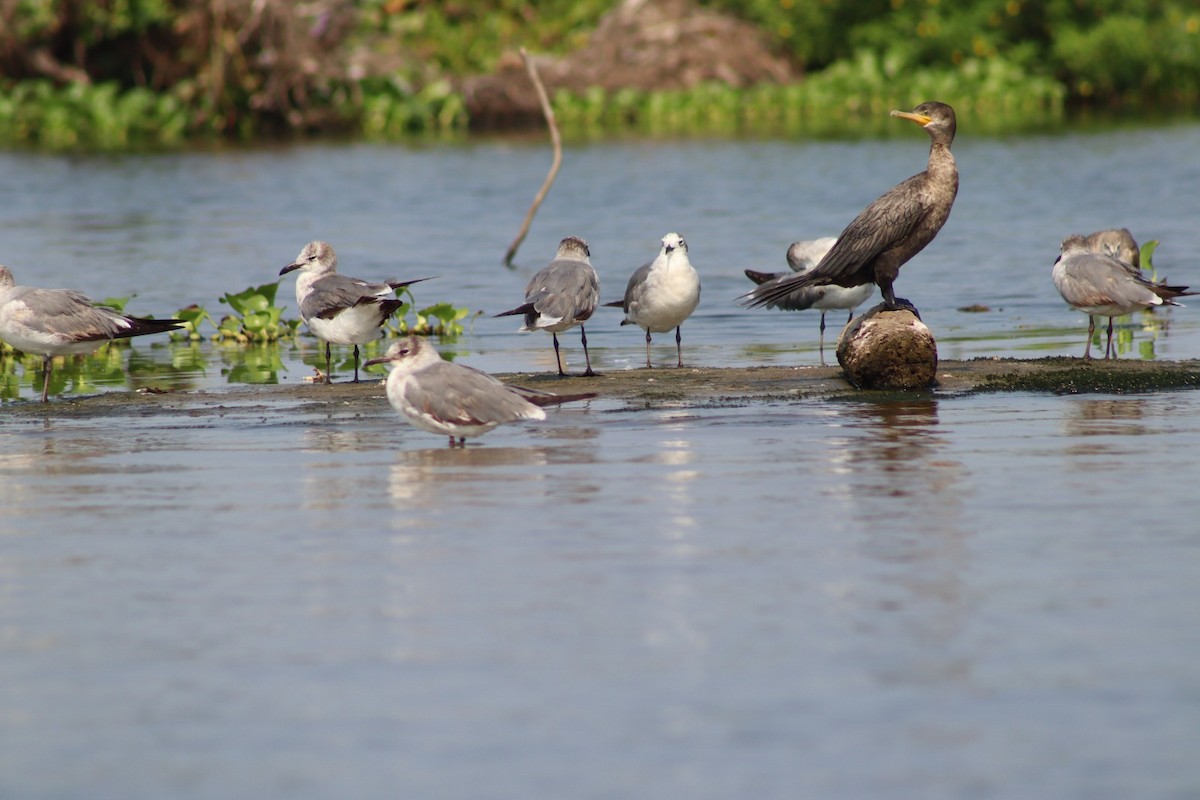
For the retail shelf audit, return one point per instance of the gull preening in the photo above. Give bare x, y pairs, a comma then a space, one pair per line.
1099, 284
339, 309
662, 294
440, 396
892, 229
57, 322
562, 295
802, 256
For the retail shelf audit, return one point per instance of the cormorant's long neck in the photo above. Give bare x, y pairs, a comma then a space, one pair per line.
942, 169
941, 160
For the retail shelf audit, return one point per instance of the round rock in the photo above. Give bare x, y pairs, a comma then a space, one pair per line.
890, 350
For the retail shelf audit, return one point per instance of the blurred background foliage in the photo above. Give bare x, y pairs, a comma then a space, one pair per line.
114, 74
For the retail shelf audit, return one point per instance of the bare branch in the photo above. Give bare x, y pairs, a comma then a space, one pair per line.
548, 112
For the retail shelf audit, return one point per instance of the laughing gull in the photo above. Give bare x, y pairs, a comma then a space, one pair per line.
562, 295
893, 228
1102, 285
443, 397
801, 257
1118, 243
662, 294
339, 309
56, 322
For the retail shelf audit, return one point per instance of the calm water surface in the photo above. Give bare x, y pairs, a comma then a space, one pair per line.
944, 597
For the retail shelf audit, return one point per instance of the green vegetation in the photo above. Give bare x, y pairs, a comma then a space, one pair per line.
256, 319
1074, 376
1107, 51
118, 74
85, 374
853, 96
251, 339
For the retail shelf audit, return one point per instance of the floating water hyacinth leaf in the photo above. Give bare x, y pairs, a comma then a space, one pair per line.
1147, 256
256, 298
192, 316
259, 318
260, 363
71, 374
447, 316
115, 303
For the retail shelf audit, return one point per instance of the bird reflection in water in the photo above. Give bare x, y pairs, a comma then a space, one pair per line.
1096, 431
901, 434
497, 485
907, 595
892, 451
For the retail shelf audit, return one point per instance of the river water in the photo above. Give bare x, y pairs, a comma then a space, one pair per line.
986, 596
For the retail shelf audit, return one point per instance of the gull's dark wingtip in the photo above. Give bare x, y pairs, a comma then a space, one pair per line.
512, 312
402, 284
760, 277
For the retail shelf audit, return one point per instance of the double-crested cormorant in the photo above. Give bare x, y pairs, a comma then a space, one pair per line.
58, 322
339, 309
892, 229
662, 294
562, 295
451, 399
1102, 285
802, 256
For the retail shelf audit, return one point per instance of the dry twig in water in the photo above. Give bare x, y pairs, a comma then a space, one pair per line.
548, 112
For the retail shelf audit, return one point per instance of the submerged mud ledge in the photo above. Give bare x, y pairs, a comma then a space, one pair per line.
687, 386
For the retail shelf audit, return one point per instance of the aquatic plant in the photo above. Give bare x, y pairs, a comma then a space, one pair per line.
259, 362
440, 319
70, 375
159, 73
850, 98
192, 317
256, 318
89, 116
1146, 256
389, 109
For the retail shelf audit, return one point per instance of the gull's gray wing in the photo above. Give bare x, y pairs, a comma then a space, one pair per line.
332, 294
463, 395
566, 289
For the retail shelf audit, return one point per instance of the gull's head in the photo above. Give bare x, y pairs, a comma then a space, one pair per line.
573, 248
6, 277
672, 242
316, 257
408, 354
1119, 244
1073, 245
807, 253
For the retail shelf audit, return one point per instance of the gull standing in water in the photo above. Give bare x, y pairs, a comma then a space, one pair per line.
662, 294
802, 256
443, 397
339, 309
1102, 285
562, 295
892, 229
56, 322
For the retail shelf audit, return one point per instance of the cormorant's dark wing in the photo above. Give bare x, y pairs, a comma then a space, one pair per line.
889, 220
